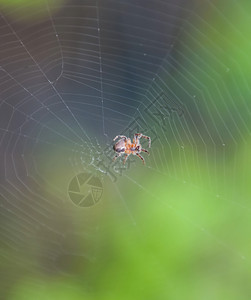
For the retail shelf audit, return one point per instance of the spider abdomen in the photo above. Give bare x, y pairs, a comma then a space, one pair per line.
119, 146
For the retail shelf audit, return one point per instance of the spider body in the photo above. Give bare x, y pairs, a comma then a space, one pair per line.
125, 146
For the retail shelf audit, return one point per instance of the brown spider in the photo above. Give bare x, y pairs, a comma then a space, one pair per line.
124, 145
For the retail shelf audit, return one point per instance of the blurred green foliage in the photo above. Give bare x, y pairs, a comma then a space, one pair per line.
188, 242
28, 10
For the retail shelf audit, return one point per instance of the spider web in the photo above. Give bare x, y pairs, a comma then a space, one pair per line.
75, 74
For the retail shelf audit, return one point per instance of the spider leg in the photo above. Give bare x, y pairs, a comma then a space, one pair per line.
116, 156
144, 150
140, 157
125, 158
149, 140
138, 136
119, 136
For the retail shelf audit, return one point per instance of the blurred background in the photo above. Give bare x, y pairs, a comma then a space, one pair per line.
76, 225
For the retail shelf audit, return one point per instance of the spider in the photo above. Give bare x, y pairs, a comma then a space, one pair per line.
124, 145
